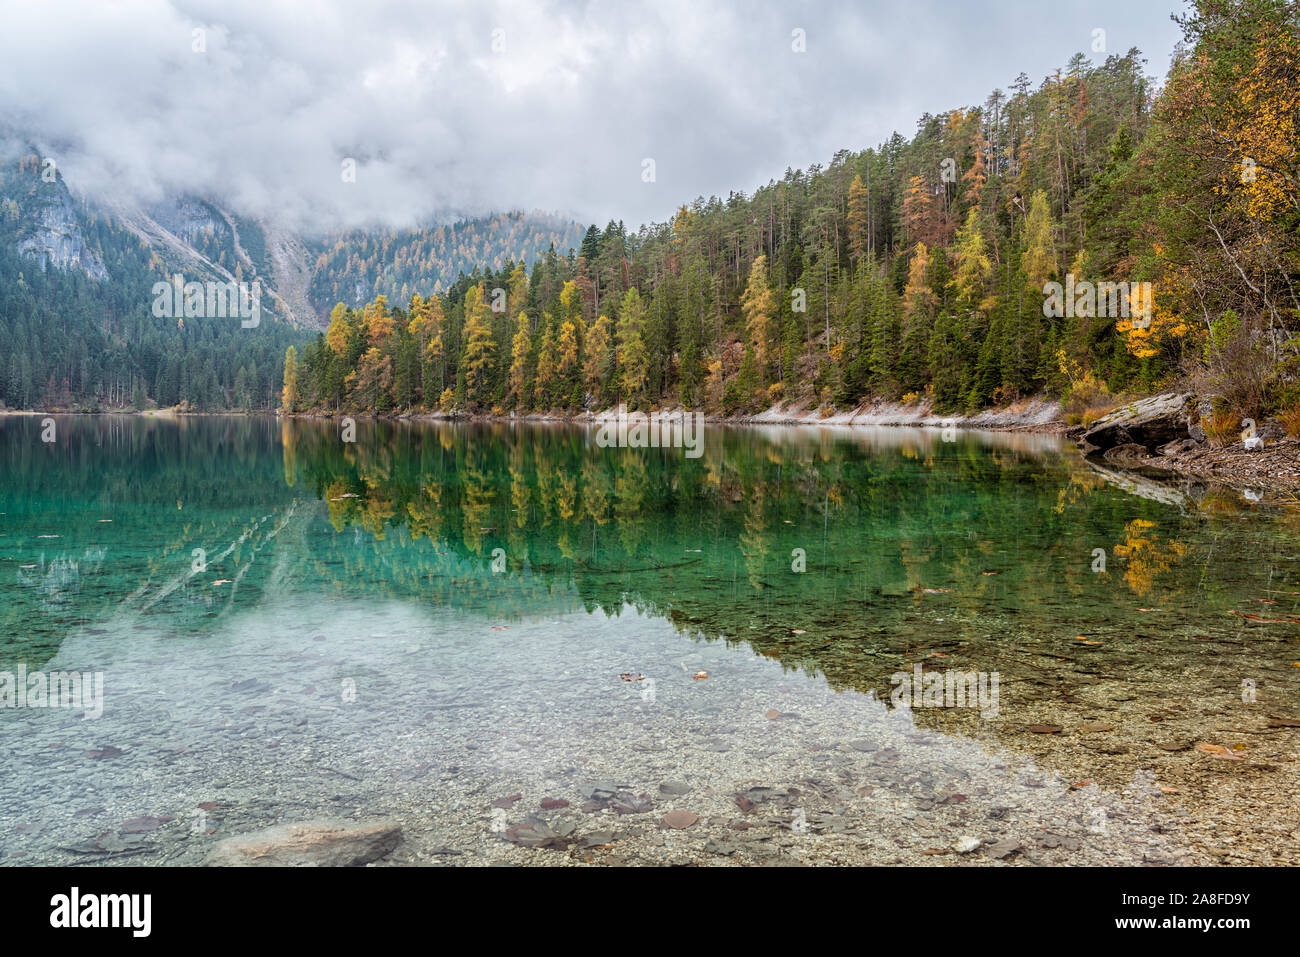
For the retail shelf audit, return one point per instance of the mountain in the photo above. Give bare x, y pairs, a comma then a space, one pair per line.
42, 222
302, 277
355, 267
78, 275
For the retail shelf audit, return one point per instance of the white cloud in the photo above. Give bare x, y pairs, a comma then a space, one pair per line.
560, 119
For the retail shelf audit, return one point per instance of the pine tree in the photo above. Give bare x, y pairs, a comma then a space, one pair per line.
632, 358
545, 384
595, 370
973, 265
520, 352
425, 326
859, 218
759, 309
476, 363
1038, 261
289, 394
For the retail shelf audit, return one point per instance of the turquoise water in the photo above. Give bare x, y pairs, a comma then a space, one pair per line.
160, 551
996, 535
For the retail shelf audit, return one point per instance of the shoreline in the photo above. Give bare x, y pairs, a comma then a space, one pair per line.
1276, 468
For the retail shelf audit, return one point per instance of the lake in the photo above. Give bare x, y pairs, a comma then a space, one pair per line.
527, 648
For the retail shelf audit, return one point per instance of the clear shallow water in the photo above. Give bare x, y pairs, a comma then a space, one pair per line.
421, 614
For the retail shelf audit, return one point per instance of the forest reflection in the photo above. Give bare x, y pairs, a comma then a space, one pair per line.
818, 546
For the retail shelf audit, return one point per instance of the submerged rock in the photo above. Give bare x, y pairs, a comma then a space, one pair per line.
965, 845
316, 843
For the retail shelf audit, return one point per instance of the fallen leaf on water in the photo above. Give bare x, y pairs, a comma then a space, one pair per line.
1164, 790
1218, 751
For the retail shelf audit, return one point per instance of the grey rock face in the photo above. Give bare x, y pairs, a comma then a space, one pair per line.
1150, 423
58, 243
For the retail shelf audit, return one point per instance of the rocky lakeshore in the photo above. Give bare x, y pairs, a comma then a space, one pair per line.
1162, 436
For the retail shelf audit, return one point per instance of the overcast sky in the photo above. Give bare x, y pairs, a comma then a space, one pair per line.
462, 108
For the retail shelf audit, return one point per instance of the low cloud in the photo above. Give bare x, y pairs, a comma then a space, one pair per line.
453, 109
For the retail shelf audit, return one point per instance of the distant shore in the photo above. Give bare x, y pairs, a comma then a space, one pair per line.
1277, 469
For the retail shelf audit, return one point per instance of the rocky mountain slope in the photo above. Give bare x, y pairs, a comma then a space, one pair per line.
300, 278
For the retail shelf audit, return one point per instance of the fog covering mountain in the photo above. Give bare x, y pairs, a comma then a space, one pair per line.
77, 276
